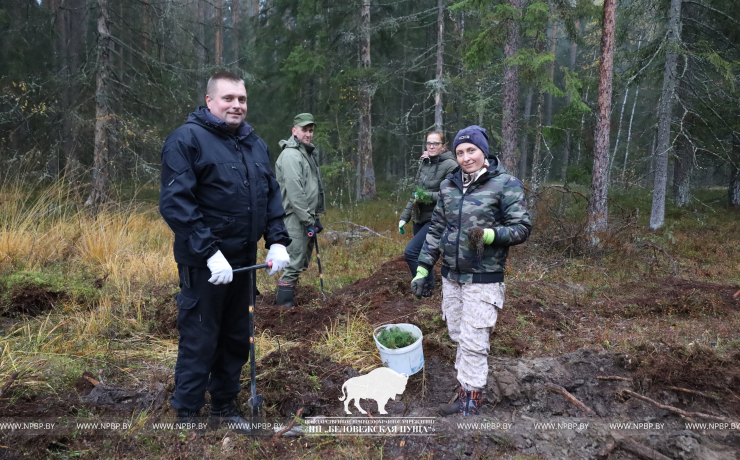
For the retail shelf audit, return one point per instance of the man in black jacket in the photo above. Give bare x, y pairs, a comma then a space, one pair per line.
219, 196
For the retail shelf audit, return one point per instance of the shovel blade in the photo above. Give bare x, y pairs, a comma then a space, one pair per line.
255, 403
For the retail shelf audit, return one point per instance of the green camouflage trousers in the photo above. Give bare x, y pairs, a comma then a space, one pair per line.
299, 250
471, 310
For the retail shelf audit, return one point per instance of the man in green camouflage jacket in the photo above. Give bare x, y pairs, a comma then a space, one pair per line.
481, 212
298, 175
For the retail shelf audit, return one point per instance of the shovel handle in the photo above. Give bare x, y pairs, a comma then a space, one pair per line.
253, 267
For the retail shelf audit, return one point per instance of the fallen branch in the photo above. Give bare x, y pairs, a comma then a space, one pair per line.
686, 390
641, 451
361, 226
733, 394
335, 369
454, 398
11, 378
558, 389
91, 380
682, 413
736, 295
675, 266
613, 377
290, 425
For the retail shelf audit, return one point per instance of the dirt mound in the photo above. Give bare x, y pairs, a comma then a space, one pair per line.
34, 301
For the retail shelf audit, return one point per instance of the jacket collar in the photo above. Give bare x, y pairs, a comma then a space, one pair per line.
203, 117
293, 143
494, 169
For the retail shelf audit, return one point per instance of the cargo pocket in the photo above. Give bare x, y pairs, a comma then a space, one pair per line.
485, 303
184, 302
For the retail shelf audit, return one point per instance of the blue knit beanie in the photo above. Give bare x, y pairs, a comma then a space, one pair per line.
474, 135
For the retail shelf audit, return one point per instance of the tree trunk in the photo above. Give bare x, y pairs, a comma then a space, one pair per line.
366, 185
103, 112
553, 44
682, 172
568, 133
629, 134
536, 158
235, 7
511, 94
733, 191
440, 64
218, 22
523, 146
657, 213
200, 50
597, 208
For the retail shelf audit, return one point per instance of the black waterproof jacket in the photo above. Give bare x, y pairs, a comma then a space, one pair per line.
218, 192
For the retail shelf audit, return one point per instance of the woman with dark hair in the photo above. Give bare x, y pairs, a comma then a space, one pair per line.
435, 165
481, 212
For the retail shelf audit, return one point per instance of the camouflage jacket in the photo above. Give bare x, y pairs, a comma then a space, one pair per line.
495, 200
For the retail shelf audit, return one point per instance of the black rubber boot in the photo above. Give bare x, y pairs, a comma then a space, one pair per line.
285, 296
228, 412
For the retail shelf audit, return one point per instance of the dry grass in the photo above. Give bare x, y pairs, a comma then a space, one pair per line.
350, 341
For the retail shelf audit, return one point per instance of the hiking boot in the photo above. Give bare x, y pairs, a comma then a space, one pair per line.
285, 296
228, 412
189, 420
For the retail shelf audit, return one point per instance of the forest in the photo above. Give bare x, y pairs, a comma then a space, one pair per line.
621, 118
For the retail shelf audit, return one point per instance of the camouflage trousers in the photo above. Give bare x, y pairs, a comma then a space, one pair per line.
471, 310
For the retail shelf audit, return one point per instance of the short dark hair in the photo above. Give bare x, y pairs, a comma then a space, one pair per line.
222, 75
441, 136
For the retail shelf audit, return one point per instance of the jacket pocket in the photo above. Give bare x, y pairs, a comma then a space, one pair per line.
185, 302
487, 300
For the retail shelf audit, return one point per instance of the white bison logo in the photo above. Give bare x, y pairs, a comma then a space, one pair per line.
382, 385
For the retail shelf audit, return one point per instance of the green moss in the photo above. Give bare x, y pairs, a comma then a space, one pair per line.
394, 337
76, 287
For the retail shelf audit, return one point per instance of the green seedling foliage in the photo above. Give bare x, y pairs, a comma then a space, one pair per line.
394, 337
422, 196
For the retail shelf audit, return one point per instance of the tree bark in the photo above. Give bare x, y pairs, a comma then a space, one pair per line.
511, 94
235, 10
200, 49
553, 44
568, 133
440, 64
103, 112
366, 186
218, 22
536, 157
523, 146
657, 213
597, 207
733, 191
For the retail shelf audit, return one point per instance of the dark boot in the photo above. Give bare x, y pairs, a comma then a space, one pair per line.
285, 296
228, 412
455, 407
189, 420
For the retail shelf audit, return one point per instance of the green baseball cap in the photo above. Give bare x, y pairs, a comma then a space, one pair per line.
303, 119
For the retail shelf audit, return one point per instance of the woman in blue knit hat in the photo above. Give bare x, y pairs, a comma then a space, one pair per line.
481, 212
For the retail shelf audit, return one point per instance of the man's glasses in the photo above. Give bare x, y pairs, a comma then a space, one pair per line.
433, 144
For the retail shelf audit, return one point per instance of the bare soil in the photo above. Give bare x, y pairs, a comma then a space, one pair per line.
538, 340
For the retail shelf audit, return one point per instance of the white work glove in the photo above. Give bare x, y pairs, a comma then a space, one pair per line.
220, 269
401, 223
278, 255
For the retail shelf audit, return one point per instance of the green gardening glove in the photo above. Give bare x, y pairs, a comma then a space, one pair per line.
488, 235
401, 223
417, 284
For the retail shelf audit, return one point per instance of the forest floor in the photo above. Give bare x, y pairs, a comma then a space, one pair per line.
611, 328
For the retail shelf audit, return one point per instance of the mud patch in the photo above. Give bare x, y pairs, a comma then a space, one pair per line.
34, 301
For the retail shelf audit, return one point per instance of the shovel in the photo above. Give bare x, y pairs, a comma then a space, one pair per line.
255, 402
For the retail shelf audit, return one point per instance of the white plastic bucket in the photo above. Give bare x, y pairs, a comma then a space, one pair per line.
407, 360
